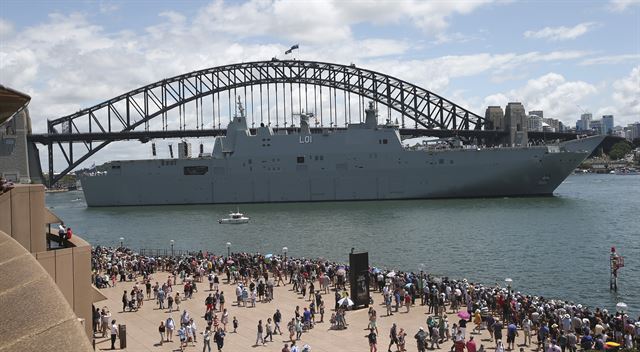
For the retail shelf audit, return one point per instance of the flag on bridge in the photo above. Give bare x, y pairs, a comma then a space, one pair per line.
293, 47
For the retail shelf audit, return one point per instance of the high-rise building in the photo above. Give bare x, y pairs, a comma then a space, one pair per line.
633, 130
596, 126
554, 124
607, 124
584, 124
495, 116
516, 122
535, 122
539, 113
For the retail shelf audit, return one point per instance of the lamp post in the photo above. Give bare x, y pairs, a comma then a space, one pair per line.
121, 241
228, 249
509, 281
422, 284
172, 242
284, 261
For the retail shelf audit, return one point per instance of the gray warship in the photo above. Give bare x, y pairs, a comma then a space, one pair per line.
365, 161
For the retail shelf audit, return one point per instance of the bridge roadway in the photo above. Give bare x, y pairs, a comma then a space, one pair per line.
145, 136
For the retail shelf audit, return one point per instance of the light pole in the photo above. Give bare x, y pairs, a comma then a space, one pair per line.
284, 262
172, 242
228, 249
121, 241
422, 284
508, 281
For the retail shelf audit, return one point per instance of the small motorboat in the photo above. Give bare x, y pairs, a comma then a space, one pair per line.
235, 218
625, 171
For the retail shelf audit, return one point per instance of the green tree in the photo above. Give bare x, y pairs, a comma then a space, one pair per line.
619, 150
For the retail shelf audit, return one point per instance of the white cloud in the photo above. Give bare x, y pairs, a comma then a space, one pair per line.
622, 5
435, 74
429, 16
627, 94
552, 93
6, 28
611, 59
328, 21
561, 33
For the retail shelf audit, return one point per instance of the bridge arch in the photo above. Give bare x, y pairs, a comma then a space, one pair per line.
135, 109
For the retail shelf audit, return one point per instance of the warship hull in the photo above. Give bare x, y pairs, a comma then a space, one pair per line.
366, 161
403, 174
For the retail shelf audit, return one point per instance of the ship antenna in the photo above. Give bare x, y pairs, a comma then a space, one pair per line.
240, 106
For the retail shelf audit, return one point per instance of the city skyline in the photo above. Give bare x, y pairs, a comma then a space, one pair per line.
563, 58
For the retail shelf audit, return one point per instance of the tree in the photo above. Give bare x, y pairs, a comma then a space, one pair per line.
619, 150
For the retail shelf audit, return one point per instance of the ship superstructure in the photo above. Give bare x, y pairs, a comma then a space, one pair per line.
365, 161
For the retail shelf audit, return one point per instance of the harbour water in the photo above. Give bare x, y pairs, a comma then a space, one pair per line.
557, 247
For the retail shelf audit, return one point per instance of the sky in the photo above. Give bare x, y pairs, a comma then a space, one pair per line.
562, 57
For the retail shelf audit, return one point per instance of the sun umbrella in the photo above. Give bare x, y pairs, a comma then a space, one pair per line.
612, 344
341, 272
230, 261
463, 315
408, 285
268, 255
621, 307
346, 302
391, 274
376, 271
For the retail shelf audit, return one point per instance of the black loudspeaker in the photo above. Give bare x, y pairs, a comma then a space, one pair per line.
359, 279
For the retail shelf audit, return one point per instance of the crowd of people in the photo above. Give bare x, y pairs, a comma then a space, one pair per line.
457, 309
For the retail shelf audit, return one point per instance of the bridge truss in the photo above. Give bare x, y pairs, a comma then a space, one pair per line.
280, 89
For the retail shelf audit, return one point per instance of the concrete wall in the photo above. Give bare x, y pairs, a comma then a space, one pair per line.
14, 155
35, 314
22, 216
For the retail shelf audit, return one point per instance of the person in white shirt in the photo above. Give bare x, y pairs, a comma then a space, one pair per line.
114, 334
526, 328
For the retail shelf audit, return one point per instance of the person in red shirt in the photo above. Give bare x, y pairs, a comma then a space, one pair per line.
459, 346
471, 345
69, 233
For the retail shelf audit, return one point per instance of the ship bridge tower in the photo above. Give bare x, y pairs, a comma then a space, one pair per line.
304, 123
371, 116
236, 126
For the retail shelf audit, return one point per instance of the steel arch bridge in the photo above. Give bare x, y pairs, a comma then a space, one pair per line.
130, 115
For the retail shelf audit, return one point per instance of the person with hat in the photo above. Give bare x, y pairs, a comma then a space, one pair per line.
421, 340
565, 322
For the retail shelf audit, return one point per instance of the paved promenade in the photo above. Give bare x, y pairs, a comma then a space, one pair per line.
142, 326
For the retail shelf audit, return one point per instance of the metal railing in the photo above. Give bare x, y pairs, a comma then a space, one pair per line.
169, 252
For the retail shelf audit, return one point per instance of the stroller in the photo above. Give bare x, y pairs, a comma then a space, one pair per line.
133, 307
